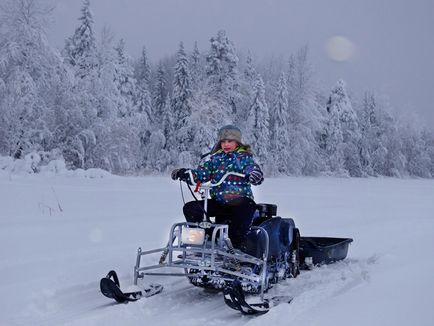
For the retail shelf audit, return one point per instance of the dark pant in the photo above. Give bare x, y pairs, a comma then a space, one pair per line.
238, 214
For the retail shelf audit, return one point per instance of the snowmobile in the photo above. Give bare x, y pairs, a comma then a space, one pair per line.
273, 250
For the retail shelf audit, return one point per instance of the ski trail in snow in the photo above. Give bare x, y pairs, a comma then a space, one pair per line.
311, 288
54, 307
181, 303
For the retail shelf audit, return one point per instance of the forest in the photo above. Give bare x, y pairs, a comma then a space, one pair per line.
93, 106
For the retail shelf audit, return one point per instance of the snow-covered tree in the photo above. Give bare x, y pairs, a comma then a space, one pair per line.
387, 158
428, 138
259, 119
91, 108
80, 49
107, 93
33, 82
279, 128
250, 73
158, 158
247, 94
168, 124
207, 120
82, 56
340, 104
196, 68
332, 141
223, 75
124, 79
369, 133
160, 96
143, 70
182, 102
333, 144
415, 150
305, 118
143, 99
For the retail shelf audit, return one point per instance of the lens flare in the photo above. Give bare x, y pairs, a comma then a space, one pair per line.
339, 48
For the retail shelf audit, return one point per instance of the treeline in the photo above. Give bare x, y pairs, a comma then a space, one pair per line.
95, 106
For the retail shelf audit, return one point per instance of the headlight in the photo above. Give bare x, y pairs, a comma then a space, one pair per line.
192, 236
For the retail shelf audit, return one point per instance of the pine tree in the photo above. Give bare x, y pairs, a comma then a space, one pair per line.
222, 72
340, 104
143, 71
160, 96
207, 120
305, 119
81, 55
168, 125
158, 158
250, 73
428, 138
32, 80
80, 49
182, 102
143, 99
196, 68
259, 118
333, 143
388, 158
369, 133
279, 137
415, 150
106, 88
125, 81
247, 93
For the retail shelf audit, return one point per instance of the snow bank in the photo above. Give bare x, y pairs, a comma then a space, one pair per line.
46, 164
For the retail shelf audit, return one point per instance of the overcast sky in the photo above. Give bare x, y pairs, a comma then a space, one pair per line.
393, 40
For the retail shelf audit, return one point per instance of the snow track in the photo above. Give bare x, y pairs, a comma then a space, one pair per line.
313, 288
184, 304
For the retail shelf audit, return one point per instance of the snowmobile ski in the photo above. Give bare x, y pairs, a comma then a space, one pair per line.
110, 288
235, 299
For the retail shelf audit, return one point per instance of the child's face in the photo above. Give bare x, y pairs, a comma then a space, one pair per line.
228, 145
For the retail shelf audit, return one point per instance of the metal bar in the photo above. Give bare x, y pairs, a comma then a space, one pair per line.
165, 274
211, 253
215, 255
136, 268
153, 251
145, 268
256, 278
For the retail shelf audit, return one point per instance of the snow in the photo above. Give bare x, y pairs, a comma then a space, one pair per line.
60, 232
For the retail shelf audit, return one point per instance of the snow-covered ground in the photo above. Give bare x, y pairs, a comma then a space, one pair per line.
59, 234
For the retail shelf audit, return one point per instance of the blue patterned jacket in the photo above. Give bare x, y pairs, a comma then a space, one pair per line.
218, 165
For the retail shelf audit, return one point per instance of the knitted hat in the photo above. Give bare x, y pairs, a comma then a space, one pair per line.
228, 132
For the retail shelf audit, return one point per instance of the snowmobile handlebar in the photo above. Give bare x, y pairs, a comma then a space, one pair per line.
210, 184
206, 187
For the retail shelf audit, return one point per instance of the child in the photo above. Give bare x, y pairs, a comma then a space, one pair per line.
231, 202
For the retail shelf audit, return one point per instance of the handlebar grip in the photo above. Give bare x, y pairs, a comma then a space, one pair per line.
197, 186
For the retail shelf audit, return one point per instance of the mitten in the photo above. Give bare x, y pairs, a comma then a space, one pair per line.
256, 177
181, 174
175, 173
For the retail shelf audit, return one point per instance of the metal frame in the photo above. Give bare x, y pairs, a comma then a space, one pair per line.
211, 256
